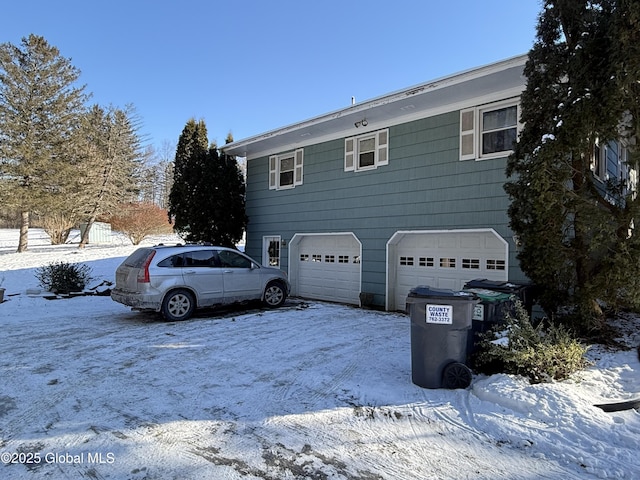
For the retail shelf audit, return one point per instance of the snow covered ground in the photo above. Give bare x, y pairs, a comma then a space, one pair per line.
314, 390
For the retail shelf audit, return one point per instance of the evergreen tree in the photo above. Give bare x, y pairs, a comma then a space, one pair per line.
191, 153
207, 197
225, 219
573, 228
39, 109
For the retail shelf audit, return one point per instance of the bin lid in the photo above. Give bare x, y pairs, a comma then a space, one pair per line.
490, 296
494, 285
425, 291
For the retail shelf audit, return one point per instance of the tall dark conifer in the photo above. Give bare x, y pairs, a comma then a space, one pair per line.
189, 164
574, 228
207, 197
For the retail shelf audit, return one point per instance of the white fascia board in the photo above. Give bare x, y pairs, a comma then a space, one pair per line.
239, 147
398, 120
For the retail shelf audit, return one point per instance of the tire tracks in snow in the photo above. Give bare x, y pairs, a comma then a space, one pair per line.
57, 394
310, 382
450, 414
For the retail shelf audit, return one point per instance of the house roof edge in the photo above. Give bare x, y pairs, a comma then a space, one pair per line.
236, 147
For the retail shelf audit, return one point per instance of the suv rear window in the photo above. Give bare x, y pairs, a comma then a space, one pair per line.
172, 261
196, 258
138, 258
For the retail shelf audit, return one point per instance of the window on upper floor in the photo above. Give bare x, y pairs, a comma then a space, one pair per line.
609, 160
367, 151
285, 170
489, 131
628, 173
599, 160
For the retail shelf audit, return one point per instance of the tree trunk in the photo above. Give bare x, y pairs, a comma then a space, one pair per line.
85, 235
24, 232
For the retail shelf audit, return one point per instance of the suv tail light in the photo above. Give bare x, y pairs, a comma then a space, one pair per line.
143, 273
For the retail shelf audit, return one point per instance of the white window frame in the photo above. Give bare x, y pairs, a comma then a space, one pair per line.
471, 130
380, 151
626, 171
599, 159
275, 162
267, 258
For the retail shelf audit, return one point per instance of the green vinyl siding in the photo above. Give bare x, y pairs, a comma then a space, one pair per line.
424, 187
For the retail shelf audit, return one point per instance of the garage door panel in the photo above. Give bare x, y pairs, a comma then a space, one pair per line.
443, 260
415, 279
328, 268
447, 283
445, 241
471, 241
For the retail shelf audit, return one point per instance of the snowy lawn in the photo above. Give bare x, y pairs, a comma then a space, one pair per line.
90, 389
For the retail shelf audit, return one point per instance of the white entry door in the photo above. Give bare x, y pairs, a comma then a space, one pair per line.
271, 251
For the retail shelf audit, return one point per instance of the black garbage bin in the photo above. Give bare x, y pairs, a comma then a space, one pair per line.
440, 325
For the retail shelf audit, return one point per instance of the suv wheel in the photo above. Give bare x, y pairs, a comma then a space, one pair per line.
274, 295
178, 305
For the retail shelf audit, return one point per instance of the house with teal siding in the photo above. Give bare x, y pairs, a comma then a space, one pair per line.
362, 204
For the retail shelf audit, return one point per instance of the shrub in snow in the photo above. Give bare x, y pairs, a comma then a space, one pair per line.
140, 219
541, 353
63, 277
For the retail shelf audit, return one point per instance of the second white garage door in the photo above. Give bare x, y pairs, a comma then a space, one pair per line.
325, 266
442, 259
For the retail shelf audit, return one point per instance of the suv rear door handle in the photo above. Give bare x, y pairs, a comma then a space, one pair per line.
189, 272
227, 271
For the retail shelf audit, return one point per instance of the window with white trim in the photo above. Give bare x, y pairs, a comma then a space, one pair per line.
447, 263
599, 160
285, 170
366, 152
472, 263
426, 261
628, 172
406, 261
495, 264
489, 131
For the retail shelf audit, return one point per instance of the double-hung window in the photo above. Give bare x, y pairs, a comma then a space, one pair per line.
489, 131
285, 170
366, 152
609, 161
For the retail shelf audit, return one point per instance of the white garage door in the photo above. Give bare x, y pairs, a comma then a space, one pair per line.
442, 259
325, 267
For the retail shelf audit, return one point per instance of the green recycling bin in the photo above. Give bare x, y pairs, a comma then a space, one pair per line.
490, 312
525, 292
441, 322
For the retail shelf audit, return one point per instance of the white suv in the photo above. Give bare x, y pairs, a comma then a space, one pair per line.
177, 279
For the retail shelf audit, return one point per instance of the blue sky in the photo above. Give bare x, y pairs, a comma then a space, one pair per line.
250, 66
